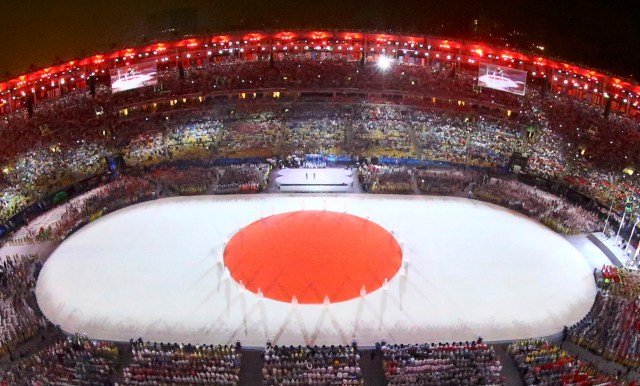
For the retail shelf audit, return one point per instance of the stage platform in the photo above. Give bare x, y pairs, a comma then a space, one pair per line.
613, 249
159, 270
314, 180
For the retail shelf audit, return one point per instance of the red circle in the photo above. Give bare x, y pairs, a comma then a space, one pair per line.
312, 255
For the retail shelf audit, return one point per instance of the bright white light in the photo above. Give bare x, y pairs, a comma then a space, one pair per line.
384, 62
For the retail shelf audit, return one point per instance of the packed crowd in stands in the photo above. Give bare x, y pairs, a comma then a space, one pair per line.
316, 129
612, 328
438, 78
251, 136
302, 72
66, 120
115, 195
564, 138
382, 131
385, 179
75, 360
19, 322
185, 181
542, 363
556, 213
245, 178
40, 172
190, 137
469, 363
546, 154
163, 364
465, 140
311, 365
446, 182
193, 180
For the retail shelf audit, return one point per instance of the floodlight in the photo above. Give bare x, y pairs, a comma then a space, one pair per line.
384, 62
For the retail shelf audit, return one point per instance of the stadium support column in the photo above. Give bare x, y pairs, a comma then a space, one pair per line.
178, 57
615, 241
605, 98
631, 237
607, 107
606, 222
466, 152
84, 73
271, 59
364, 49
349, 135
424, 46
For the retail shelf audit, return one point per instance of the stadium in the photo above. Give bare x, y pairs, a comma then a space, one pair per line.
318, 207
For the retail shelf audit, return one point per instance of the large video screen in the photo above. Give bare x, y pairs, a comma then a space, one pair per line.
502, 78
134, 76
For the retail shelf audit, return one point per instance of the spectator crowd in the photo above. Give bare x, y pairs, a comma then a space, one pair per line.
542, 363
74, 360
468, 363
160, 364
612, 328
311, 365
19, 321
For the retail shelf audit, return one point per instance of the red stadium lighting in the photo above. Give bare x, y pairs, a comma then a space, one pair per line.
253, 37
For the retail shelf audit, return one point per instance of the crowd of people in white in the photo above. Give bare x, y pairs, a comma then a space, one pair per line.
468, 363
160, 364
311, 365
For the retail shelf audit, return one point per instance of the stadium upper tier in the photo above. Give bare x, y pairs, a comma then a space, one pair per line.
579, 81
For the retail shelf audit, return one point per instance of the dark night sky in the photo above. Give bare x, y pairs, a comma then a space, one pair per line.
604, 34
